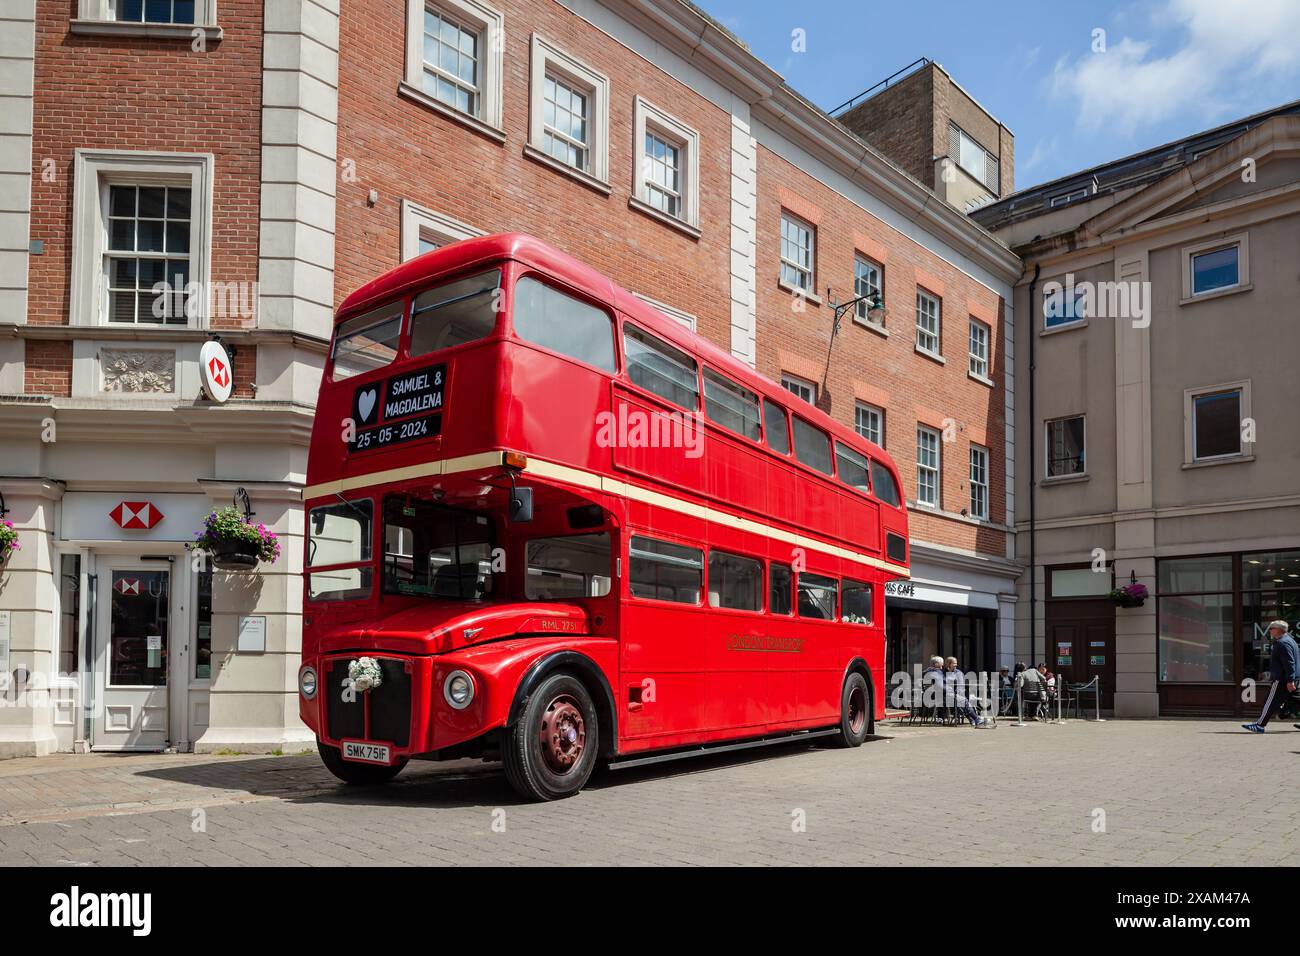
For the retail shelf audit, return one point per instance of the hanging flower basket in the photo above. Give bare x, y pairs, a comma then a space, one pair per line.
8, 541
234, 543
1130, 595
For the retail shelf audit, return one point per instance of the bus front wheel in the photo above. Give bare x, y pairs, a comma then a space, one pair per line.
855, 712
551, 750
356, 774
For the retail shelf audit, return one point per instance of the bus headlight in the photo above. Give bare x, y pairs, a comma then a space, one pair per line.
307, 682
458, 688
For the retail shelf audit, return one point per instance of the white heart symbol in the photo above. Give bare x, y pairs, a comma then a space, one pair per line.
366, 404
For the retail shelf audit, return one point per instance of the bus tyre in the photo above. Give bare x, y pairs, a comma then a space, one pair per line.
855, 712
356, 774
551, 750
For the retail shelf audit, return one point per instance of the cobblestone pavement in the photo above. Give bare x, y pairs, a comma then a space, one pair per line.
1167, 792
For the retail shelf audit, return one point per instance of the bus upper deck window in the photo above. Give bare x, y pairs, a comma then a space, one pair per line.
852, 467
812, 446
563, 324
731, 405
367, 342
659, 368
882, 480
778, 429
455, 312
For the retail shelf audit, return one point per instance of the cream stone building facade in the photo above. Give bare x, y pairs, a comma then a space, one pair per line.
1161, 441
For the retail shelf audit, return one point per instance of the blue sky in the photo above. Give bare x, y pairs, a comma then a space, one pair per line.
1169, 67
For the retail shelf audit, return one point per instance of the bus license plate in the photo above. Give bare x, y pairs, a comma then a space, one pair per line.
366, 753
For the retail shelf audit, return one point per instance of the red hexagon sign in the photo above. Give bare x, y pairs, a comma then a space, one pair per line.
136, 515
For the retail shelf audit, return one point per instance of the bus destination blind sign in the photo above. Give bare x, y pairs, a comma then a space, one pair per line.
408, 407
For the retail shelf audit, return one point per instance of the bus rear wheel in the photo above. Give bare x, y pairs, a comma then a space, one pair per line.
356, 774
855, 712
551, 750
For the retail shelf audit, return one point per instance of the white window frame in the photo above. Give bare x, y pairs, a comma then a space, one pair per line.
648, 118
862, 408
861, 315
1076, 306
677, 315
989, 173
419, 222
937, 469
801, 385
490, 24
937, 332
978, 361
99, 17
94, 171
1245, 450
979, 469
1241, 241
1047, 449
810, 270
546, 57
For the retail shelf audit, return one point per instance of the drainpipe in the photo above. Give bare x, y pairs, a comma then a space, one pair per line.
1033, 477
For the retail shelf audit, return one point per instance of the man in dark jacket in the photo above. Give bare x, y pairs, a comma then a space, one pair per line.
1283, 671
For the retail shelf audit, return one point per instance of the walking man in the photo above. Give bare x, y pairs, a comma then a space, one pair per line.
1283, 670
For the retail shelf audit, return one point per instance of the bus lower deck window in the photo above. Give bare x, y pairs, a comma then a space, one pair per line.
856, 602
817, 596
780, 578
572, 566
664, 571
735, 582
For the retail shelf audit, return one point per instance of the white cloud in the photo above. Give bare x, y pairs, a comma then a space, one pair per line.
1222, 45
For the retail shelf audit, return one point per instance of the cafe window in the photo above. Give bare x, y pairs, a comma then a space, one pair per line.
1195, 605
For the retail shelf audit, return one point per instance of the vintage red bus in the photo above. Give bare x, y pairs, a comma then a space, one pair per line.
547, 524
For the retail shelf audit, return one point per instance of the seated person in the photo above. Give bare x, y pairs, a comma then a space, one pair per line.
1033, 685
955, 693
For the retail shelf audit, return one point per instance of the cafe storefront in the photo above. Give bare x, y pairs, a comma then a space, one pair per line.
947, 611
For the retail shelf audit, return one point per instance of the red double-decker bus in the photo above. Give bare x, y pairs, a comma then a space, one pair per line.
548, 525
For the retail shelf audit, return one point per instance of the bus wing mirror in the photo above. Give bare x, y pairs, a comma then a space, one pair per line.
521, 505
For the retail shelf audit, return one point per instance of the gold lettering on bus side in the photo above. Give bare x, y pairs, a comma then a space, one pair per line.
764, 643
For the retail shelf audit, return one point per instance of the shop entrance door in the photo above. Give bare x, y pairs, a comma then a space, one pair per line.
1081, 643
131, 657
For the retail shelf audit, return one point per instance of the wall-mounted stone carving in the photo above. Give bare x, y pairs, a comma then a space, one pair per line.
138, 370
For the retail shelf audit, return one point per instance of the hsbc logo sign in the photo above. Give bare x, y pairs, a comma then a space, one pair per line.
128, 586
218, 371
136, 515
215, 371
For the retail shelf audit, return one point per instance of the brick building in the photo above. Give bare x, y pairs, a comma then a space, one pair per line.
922, 119
306, 148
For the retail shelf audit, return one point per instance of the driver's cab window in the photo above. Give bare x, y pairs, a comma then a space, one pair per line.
435, 551
573, 566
